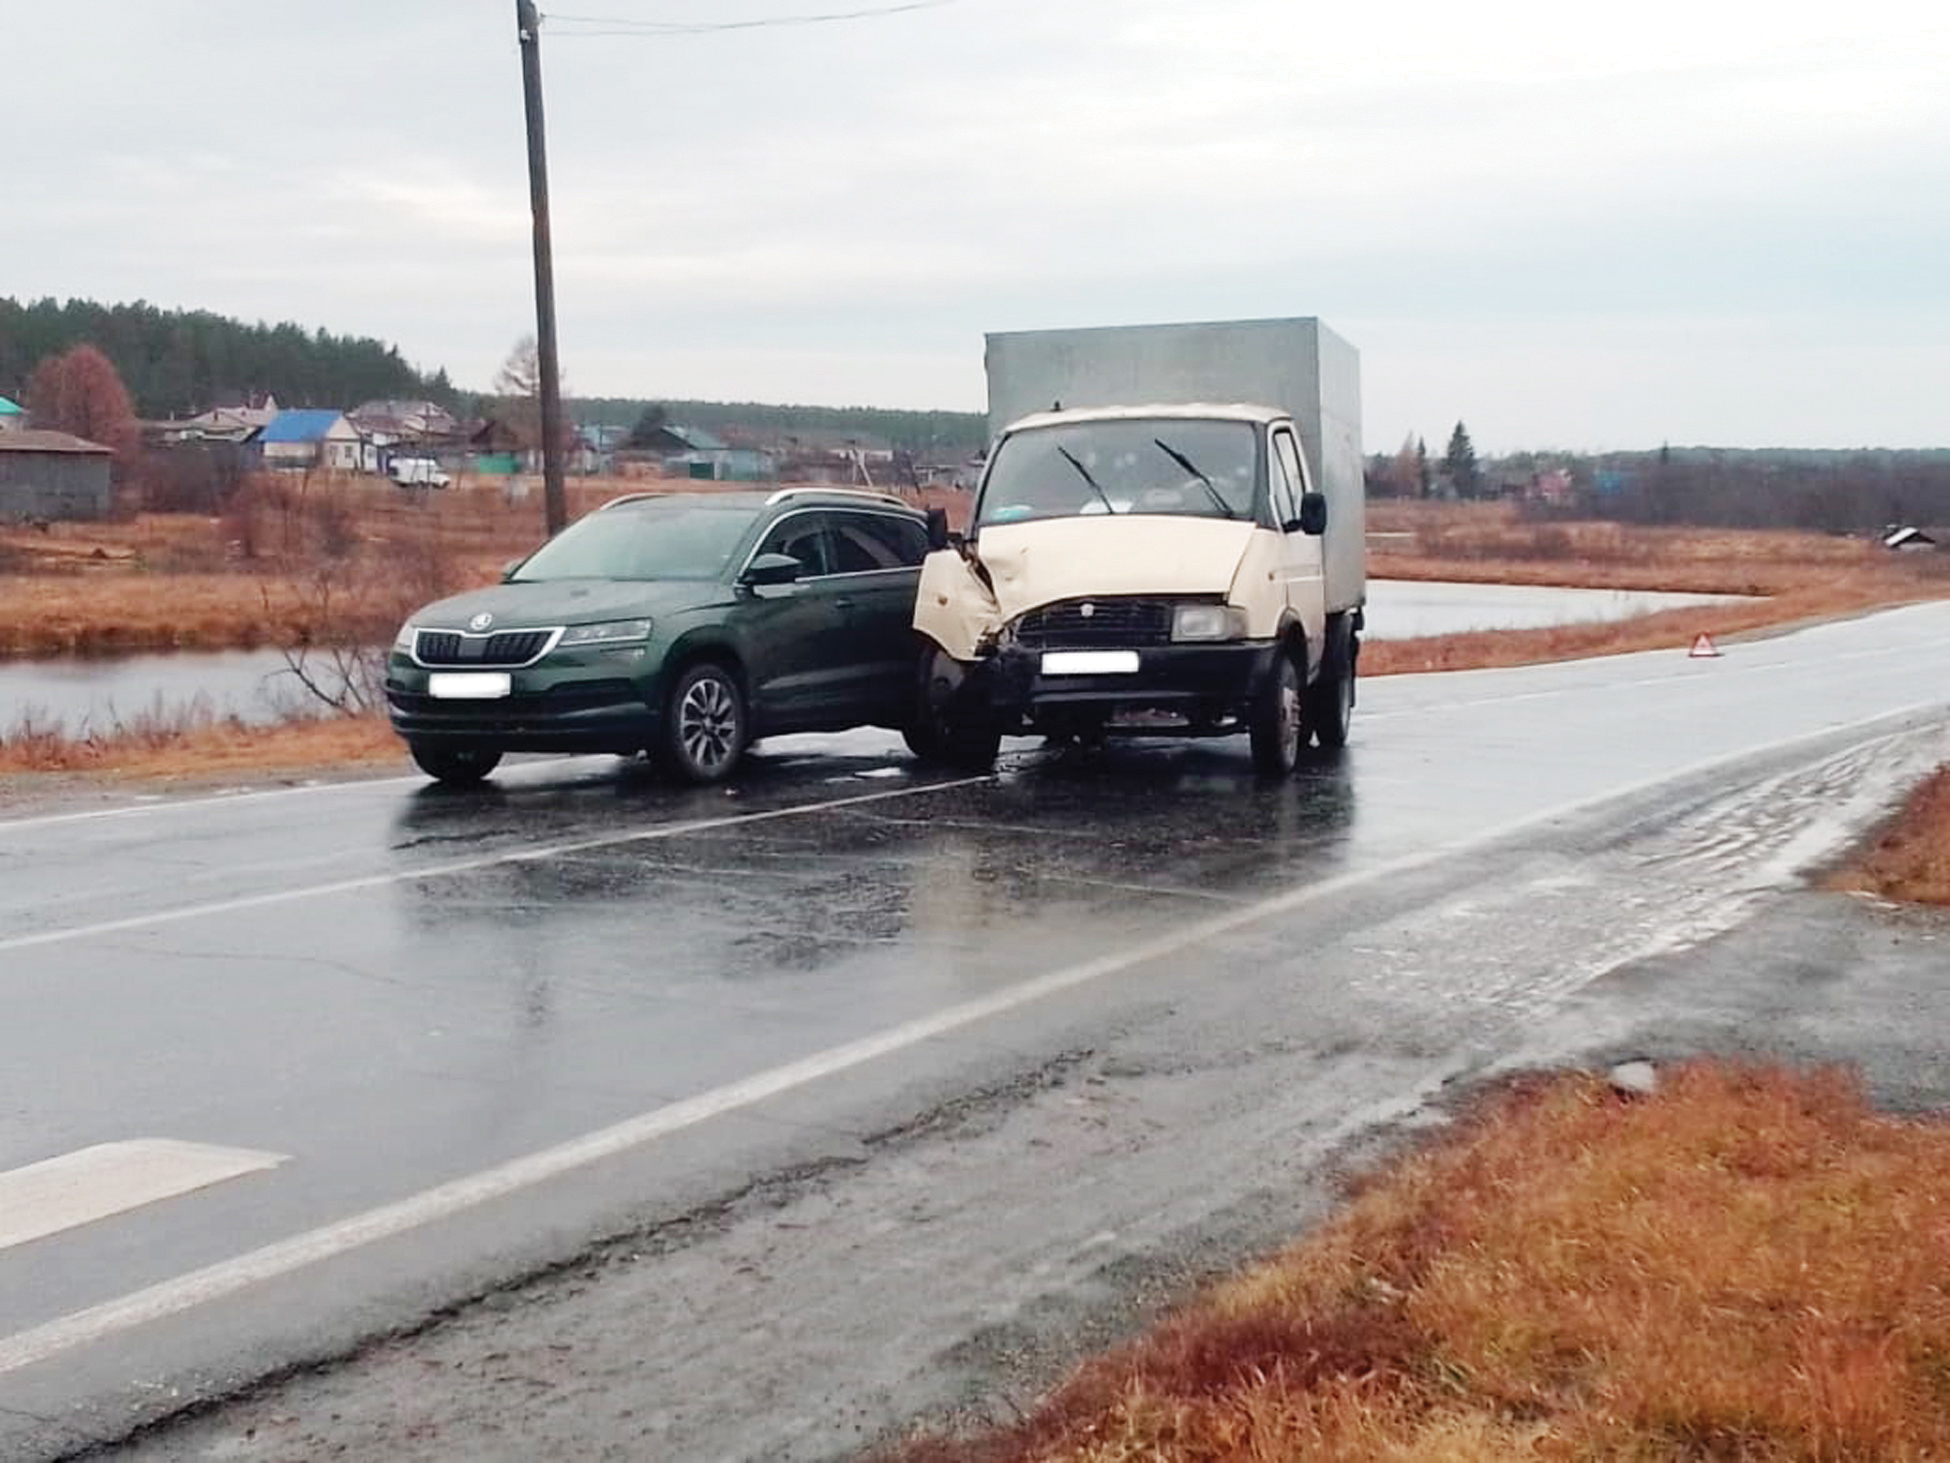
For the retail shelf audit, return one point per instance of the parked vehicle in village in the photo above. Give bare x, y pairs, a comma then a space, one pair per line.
1140, 560
687, 625
418, 472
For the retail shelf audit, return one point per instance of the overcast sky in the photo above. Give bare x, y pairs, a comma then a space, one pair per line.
1568, 226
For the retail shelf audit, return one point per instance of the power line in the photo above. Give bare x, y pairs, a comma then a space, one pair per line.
623, 26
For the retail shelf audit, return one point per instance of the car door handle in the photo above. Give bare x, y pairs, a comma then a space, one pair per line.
842, 604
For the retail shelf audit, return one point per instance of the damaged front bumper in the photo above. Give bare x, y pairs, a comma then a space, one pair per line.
1174, 690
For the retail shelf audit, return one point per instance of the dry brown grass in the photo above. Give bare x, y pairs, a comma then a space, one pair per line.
1803, 576
193, 743
242, 581
1910, 859
1752, 1264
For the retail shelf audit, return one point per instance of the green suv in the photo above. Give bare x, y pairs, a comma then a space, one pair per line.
686, 625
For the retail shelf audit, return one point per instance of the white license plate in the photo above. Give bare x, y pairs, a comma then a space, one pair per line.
470, 685
1090, 662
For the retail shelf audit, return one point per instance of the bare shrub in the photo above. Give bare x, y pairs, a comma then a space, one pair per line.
192, 477
350, 603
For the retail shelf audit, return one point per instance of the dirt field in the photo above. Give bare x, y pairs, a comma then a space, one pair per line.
250, 578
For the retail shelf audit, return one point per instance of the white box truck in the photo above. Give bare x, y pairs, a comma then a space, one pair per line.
1169, 537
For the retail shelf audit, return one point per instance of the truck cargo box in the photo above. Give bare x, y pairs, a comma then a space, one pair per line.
1297, 365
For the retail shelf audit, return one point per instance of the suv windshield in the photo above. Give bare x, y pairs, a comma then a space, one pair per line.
1170, 465
653, 541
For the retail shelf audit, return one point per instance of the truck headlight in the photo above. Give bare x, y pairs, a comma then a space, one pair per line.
612, 632
1208, 622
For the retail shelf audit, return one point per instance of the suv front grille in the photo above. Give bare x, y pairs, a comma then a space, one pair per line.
1091, 623
503, 648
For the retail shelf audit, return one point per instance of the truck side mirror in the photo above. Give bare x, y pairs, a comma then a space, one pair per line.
937, 529
1313, 514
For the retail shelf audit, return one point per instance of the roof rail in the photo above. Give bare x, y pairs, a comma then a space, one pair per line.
629, 498
807, 489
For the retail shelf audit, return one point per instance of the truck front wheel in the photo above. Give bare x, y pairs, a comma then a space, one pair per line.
1276, 724
951, 727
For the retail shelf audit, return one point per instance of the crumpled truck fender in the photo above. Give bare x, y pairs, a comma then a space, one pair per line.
953, 606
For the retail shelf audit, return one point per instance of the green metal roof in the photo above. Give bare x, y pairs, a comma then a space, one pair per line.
8, 409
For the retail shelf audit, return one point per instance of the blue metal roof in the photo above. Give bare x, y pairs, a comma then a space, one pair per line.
8, 409
299, 426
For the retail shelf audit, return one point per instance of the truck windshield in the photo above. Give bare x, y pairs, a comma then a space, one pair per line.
1156, 465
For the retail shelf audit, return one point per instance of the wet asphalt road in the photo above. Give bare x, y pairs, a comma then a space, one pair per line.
427, 1004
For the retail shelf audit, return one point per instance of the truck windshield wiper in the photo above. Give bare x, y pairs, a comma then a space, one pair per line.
1185, 462
1084, 473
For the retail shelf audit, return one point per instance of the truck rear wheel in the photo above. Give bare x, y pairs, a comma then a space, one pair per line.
1276, 723
1330, 700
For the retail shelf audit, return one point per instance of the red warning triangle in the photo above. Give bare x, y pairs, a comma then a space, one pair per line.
1704, 648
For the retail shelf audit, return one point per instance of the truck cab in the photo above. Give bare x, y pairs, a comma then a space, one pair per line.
1140, 570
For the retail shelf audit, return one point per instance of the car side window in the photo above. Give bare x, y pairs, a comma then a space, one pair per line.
801, 536
1281, 478
864, 543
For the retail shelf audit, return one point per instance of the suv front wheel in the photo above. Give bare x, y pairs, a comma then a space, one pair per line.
455, 766
704, 724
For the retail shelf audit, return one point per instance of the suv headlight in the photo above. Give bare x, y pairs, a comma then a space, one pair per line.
1208, 622
403, 642
612, 632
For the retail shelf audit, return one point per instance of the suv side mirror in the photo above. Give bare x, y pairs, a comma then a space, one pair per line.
1313, 513
773, 569
937, 529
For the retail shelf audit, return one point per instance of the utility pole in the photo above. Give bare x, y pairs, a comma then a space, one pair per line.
528, 25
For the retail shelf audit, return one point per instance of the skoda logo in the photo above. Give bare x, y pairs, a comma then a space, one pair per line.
1089, 611
480, 621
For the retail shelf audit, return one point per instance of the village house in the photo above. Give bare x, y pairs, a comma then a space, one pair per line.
301, 439
1904, 540
235, 423
48, 475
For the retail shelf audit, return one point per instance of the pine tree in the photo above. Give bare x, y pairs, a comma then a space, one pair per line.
1459, 462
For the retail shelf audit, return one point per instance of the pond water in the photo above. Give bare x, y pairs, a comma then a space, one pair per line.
257, 685
1401, 609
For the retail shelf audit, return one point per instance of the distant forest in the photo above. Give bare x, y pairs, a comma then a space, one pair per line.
179, 362
1832, 491
934, 434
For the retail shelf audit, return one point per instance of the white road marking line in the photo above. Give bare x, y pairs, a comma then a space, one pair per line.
465, 866
227, 1277
112, 1178
184, 805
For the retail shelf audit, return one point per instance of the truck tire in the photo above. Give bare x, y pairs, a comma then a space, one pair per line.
705, 727
1277, 724
454, 766
1330, 700
950, 730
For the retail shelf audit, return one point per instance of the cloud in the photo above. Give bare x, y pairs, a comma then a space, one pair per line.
1494, 201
